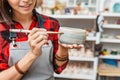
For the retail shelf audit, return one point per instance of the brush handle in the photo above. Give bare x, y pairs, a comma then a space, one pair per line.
28, 31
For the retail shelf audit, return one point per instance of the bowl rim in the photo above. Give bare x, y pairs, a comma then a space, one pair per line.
72, 29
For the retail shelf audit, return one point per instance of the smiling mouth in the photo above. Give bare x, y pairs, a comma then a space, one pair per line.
26, 6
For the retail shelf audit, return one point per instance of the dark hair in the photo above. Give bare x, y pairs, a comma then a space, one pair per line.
6, 12
38, 3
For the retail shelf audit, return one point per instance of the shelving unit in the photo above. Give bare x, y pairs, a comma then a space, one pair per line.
86, 3
81, 76
75, 76
74, 16
111, 26
79, 23
88, 77
82, 59
110, 42
110, 14
109, 72
110, 57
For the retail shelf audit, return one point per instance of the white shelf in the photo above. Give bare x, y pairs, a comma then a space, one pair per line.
73, 76
91, 38
74, 16
91, 6
110, 57
82, 59
110, 40
74, 6
110, 14
111, 26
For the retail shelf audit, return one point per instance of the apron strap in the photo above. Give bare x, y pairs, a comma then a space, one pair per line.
13, 35
39, 18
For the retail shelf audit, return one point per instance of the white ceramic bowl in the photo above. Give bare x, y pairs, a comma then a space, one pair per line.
72, 35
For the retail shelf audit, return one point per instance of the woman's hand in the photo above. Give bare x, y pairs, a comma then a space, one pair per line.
36, 39
71, 46
62, 53
63, 49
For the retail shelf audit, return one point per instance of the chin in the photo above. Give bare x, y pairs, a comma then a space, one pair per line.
26, 12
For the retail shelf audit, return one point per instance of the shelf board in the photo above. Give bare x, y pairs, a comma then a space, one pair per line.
74, 16
111, 26
110, 14
91, 6
88, 6
110, 57
79, 76
82, 59
109, 74
91, 38
110, 40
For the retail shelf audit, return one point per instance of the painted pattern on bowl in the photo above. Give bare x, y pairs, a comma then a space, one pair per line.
72, 35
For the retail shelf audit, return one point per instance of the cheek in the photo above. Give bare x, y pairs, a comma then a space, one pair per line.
13, 3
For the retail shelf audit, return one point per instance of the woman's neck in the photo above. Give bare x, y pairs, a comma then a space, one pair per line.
24, 20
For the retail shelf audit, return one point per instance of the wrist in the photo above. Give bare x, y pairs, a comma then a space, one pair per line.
62, 55
59, 58
62, 47
18, 69
62, 51
23, 65
32, 55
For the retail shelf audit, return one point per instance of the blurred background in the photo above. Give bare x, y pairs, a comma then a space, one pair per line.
99, 59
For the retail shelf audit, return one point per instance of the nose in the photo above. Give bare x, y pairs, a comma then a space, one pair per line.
27, 1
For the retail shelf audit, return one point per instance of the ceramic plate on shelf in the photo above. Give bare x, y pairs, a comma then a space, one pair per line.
115, 6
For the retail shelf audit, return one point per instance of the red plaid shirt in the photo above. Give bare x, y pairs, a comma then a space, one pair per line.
50, 24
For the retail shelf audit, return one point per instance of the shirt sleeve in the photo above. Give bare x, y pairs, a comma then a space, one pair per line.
57, 69
3, 51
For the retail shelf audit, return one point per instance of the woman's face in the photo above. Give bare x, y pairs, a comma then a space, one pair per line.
22, 6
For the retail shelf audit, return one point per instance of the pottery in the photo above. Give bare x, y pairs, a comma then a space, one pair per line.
116, 7
72, 35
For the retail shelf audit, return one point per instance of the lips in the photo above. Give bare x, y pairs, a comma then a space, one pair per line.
25, 6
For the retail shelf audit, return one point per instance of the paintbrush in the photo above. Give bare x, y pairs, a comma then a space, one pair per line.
28, 31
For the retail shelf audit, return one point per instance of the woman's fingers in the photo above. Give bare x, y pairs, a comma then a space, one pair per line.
36, 36
39, 45
38, 40
71, 46
34, 30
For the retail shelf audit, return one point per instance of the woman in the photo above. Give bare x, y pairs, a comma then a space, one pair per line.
30, 56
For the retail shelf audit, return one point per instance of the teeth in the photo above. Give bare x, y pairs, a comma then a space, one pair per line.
26, 6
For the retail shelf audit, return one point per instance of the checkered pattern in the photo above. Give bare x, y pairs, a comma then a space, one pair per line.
50, 24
